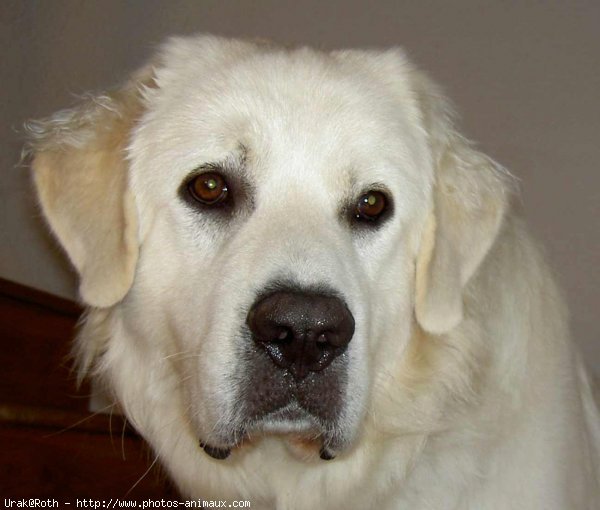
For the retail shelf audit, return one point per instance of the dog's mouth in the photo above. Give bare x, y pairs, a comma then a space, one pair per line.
222, 453
306, 413
294, 425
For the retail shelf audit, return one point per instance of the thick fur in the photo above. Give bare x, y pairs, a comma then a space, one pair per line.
464, 388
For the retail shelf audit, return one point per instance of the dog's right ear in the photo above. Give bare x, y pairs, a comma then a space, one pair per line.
80, 172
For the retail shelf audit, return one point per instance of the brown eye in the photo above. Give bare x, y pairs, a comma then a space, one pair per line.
209, 188
370, 205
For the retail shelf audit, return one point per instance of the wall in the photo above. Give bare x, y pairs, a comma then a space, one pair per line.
525, 75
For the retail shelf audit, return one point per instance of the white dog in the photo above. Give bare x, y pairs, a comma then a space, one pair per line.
307, 290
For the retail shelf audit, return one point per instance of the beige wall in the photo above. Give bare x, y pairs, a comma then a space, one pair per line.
524, 74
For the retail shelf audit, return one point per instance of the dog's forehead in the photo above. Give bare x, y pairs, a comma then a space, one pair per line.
298, 113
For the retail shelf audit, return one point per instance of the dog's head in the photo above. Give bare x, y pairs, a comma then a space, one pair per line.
261, 232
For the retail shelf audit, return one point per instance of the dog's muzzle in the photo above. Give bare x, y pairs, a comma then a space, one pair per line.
295, 370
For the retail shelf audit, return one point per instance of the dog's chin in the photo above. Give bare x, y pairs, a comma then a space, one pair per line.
305, 437
291, 419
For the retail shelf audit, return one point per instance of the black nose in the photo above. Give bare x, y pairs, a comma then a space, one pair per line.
301, 332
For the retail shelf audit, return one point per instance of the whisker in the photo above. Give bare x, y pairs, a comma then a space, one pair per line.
143, 476
79, 422
123, 437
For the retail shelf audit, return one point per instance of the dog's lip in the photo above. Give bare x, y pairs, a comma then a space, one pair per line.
215, 452
292, 412
293, 424
325, 453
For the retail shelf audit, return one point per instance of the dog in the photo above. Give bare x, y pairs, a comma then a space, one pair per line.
305, 288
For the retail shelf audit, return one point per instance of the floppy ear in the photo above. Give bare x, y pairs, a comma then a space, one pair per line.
80, 173
471, 195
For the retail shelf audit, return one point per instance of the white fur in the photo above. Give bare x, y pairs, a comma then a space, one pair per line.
465, 390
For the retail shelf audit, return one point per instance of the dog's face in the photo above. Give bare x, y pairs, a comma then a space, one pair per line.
261, 224
261, 250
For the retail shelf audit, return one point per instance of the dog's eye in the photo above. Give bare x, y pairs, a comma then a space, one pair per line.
370, 206
209, 188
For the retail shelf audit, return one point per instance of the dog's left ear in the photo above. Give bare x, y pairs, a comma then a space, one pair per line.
80, 172
470, 199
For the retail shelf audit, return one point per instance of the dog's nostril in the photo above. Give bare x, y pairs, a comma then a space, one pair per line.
285, 335
301, 332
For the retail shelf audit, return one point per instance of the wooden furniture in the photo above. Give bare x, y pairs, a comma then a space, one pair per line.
50, 444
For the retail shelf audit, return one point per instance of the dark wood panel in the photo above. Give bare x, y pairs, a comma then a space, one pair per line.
34, 355
40, 464
39, 298
50, 445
